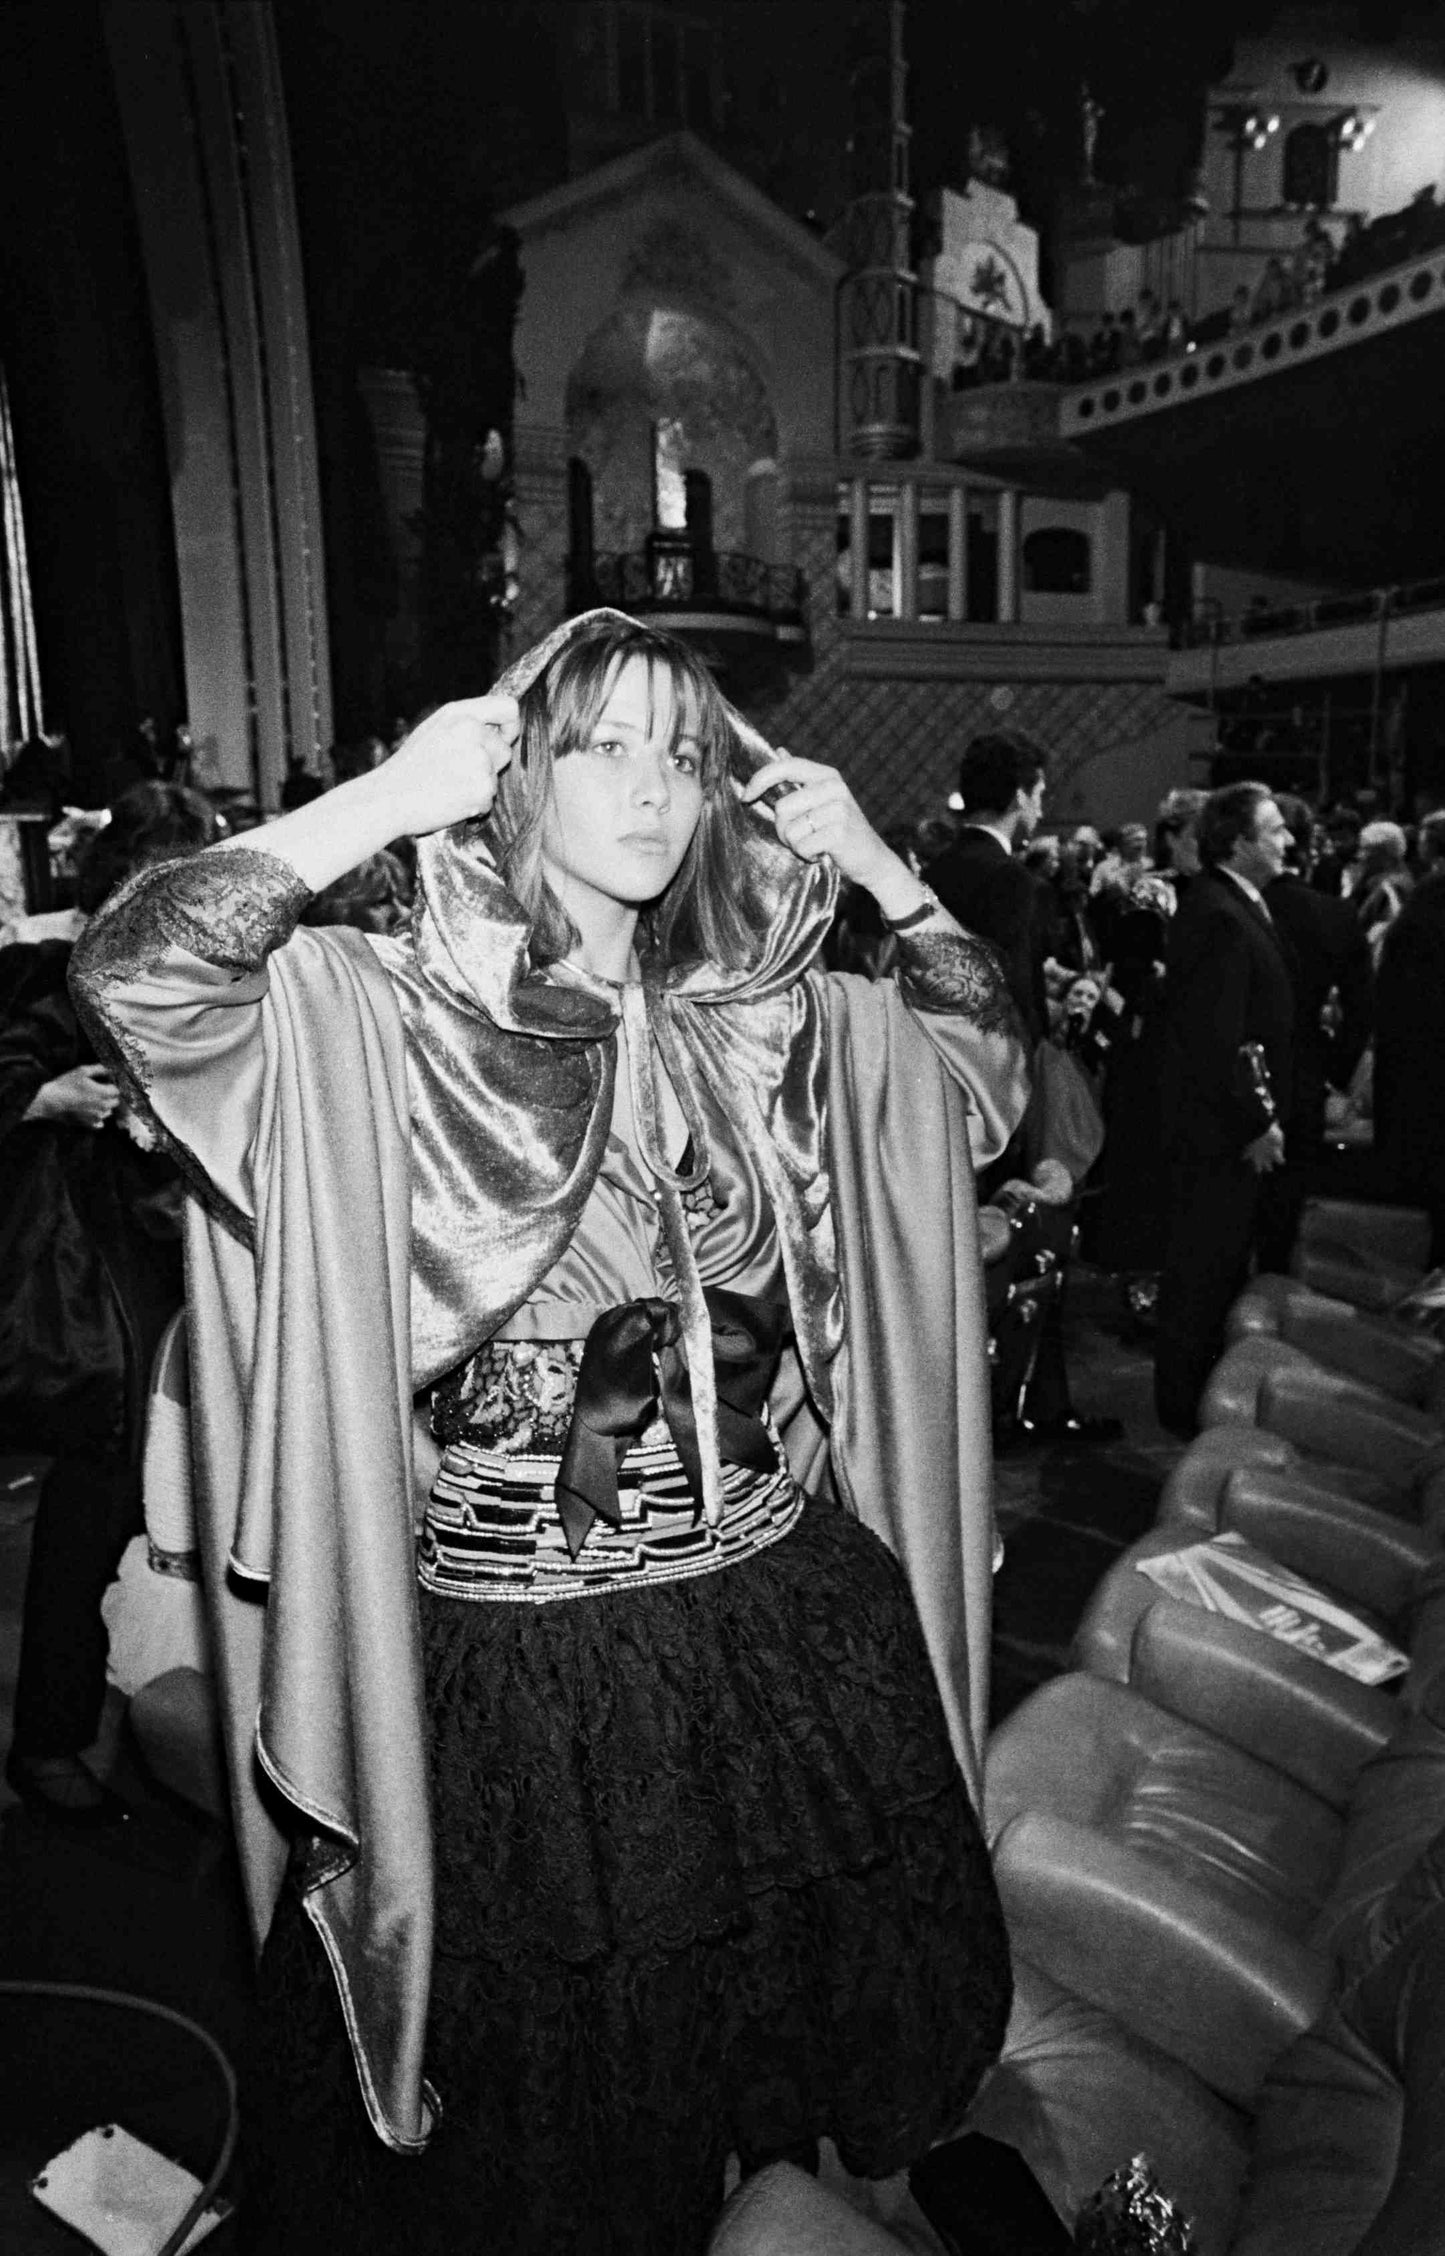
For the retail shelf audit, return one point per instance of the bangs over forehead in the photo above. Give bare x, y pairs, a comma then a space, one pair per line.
682, 699
713, 911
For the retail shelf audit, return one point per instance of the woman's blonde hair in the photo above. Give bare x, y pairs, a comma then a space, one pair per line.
710, 911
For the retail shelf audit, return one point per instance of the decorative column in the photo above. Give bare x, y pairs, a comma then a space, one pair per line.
858, 548
878, 372
1008, 556
957, 553
906, 551
398, 427
198, 84
540, 454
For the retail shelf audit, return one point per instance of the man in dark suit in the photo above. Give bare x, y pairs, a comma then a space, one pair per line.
981, 880
1410, 1056
1001, 781
1334, 1008
1227, 1085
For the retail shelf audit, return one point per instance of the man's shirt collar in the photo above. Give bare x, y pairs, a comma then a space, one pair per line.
1245, 886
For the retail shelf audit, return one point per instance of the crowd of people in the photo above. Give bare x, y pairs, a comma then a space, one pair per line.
1154, 329
1254, 1000
1250, 994
652, 1842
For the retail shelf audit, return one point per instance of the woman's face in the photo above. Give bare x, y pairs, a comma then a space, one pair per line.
1186, 851
626, 803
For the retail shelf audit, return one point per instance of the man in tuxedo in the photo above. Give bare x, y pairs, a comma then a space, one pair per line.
1334, 1008
1410, 1056
1001, 781
1229, 1020
984, 883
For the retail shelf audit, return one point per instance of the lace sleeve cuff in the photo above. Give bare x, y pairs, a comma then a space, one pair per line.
945, 970
230, 909
147, 975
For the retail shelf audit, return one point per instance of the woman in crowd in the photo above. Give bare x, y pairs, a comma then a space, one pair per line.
90, 1254
1124, 1227
642, 1191
1076, 942
1382, 882
1176, 835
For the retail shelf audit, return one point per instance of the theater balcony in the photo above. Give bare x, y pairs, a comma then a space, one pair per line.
1313, 435
1014, 430
750, 617
1376, 630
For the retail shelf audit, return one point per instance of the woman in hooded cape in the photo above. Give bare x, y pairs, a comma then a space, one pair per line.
591, 1454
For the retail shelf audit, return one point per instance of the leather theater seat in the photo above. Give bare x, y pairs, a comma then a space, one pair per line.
783, 2211
154, 1610
1228, 1810
1338, 2151
1359, 1252
1405, 1363
1223, 1863
1190, 1496
1269, 1383
1193, 1867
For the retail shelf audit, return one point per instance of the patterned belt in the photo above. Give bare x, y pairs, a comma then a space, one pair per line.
492, 1529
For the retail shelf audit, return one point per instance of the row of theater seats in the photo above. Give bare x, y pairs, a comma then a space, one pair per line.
1222, 1861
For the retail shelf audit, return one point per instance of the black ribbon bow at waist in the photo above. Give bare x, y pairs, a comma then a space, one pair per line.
633, 1362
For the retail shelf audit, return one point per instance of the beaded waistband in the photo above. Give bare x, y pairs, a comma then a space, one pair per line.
492, 1531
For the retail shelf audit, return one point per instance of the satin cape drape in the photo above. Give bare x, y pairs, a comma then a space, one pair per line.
442, 1094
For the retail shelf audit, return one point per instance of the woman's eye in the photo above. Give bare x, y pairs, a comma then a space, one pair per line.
611, 747
686, 763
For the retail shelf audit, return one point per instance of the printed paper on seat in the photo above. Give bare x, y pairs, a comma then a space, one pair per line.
1227, 1575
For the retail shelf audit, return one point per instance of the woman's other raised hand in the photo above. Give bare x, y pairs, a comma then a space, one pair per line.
446, 771
816, 814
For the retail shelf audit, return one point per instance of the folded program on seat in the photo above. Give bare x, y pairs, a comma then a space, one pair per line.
1389, 1574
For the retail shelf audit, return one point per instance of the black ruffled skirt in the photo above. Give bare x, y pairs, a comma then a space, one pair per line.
708, 1881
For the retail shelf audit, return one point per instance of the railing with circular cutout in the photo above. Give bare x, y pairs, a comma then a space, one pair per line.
1402, 294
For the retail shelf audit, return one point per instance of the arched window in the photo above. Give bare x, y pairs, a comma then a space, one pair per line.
1058, 560
1311, 166
581, 553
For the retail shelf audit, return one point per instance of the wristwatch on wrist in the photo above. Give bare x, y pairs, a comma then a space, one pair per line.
925, 909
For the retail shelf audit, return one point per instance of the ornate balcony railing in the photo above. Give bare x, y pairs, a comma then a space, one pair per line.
742, 592
1309, 618
1393, 299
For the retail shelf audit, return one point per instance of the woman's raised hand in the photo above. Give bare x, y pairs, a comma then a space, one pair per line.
817, 814
447, 769
445, 772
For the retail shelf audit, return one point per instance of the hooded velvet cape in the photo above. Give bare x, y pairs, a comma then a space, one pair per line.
392, 1142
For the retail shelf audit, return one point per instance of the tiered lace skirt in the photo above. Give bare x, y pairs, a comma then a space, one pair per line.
708, 1882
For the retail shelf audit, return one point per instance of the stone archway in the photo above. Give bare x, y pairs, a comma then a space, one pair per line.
659, 380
